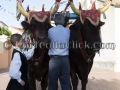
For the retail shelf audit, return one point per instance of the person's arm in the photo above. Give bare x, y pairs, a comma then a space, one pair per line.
67, 16
14, 71
29, 53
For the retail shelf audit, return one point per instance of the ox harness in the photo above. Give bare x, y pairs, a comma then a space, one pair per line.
40, 58
82, 49
93, 16
27, 41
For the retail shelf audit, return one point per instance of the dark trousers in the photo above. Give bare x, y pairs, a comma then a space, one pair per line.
59, 68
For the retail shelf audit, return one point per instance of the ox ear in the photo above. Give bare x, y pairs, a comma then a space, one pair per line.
76, 25
101, 23
25, 25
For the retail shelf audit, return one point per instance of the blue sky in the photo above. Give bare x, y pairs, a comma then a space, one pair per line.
8, 13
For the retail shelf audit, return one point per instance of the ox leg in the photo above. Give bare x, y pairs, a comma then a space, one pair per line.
44, 82
74, 77
84, 82
57, 86
32, 81
86, 71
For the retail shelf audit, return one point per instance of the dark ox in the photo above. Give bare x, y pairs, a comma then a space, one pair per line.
79, 66
38, 65
38, 24
85, 41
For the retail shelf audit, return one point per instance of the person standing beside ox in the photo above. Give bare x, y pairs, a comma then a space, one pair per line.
59, 67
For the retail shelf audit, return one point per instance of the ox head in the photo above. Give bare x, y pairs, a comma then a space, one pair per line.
89, 25
38, 21
38, 30
91, 36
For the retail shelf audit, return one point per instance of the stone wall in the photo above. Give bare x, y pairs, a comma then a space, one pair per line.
5, 55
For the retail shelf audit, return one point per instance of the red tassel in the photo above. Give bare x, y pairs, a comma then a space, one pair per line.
43, 10
80, 8
58, 0
93, 7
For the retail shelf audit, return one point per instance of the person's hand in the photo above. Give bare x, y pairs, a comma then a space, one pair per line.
22, 83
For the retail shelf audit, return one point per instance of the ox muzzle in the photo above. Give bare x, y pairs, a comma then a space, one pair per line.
42, 41
97, 46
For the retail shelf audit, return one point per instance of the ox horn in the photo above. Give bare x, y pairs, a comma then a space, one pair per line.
102, 10
75, 10
54, 9
21, 9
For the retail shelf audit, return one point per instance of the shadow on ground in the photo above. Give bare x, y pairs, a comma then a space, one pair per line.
99, 79
96, 84
102, 84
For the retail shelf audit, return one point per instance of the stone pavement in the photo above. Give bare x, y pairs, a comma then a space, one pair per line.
4, 78
99, 79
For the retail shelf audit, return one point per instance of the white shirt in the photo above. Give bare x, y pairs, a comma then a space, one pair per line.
59, 40
14, 71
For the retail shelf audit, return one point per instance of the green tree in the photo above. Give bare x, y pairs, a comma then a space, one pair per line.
5, 31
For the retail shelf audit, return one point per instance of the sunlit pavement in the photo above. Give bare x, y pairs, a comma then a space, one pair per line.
99, 79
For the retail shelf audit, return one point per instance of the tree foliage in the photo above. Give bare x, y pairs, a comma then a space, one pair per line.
5, 31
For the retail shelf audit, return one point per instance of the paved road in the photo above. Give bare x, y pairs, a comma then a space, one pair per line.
99, 79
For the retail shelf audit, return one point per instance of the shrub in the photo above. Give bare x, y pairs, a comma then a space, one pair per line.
5, 31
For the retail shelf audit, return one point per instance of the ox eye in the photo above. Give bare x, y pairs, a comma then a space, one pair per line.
32, 27
85, 25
